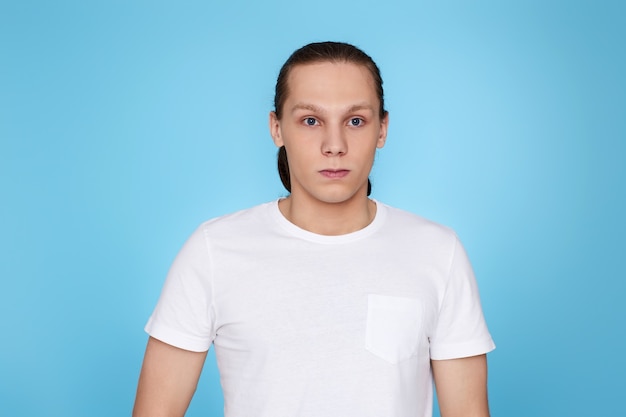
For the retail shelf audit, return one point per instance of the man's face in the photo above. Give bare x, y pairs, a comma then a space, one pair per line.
331, 128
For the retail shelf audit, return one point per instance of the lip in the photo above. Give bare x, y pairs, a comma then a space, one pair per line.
335, 173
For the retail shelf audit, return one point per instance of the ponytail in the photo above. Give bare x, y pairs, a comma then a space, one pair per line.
283, 168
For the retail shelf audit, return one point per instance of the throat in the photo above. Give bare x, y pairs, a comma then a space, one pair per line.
329, 219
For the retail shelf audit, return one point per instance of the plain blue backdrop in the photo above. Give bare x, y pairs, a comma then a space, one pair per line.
124, 124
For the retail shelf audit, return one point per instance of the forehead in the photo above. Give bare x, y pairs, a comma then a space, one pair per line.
331, 81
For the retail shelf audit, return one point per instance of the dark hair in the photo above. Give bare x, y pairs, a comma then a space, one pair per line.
321, 52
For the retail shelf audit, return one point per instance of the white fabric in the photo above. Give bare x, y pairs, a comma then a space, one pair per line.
317, 326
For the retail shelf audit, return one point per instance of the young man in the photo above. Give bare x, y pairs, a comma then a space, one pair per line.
324, 303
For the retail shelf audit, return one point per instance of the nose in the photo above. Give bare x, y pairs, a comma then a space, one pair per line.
334, 142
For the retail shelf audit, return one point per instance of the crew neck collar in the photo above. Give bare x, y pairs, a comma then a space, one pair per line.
381, 213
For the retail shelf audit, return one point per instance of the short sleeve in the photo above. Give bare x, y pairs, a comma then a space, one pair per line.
184, 315
461, 330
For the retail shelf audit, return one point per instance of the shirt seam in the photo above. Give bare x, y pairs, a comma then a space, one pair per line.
449, 273
211, 283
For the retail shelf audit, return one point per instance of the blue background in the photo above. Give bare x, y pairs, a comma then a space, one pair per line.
123, 125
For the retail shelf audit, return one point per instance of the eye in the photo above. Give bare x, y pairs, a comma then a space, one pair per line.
310, 121
356, 121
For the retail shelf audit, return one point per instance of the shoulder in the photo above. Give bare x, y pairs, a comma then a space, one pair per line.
248, 221
232, 230
409, 224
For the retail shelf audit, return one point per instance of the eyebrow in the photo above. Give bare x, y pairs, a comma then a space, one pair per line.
317, 109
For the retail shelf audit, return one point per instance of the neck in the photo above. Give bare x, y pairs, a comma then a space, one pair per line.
330, 219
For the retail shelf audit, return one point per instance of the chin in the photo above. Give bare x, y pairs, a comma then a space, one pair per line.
331, 193
338, 197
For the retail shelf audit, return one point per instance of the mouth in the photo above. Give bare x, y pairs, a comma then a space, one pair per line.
334, 173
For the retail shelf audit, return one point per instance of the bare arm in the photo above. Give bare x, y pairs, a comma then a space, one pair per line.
168, 380
462, 386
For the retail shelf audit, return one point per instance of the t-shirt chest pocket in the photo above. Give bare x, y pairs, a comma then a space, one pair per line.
394, 327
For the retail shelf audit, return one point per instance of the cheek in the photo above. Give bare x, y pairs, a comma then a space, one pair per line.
300, 144
297, 154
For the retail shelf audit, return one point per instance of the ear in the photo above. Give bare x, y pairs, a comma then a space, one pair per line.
382, 135
275, 130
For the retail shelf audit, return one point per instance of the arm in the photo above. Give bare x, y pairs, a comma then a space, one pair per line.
168, 380
462, 386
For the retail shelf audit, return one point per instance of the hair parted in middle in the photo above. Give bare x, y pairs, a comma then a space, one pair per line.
337, 52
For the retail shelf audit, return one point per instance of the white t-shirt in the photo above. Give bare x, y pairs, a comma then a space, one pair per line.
317, 326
